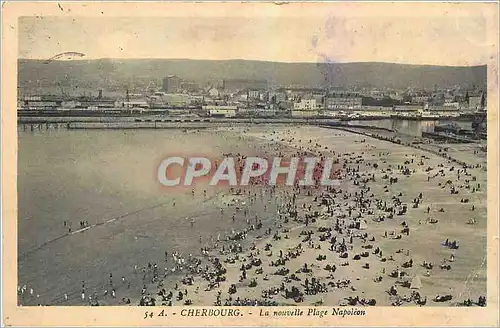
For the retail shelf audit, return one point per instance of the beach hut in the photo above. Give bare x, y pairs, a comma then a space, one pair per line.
416, 283
362, 225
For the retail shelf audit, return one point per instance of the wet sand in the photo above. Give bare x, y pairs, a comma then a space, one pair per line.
294, 241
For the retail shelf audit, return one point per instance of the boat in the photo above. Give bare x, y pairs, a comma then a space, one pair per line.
429, 115
449, 128
480, 122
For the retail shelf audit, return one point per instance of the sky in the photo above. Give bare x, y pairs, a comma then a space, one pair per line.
328, 37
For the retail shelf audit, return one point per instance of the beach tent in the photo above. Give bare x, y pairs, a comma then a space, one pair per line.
416, 283
362, 225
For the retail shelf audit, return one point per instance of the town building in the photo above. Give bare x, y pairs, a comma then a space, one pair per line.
276, 97
50, 102
160, 100
189, 86
320, 101
253, 94
69, 104
177, 99
135, 104
453, 105
441, 108
221, 110
336, 103
258, 112
264, 96
420, 99
172, 84
476, 103
243, 84
285, 105
213, 92
376, 94
449, 99
43, 102
437, 98
305, 105
407, 108
396, 96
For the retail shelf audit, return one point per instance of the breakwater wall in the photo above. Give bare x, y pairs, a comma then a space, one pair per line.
184, 123
40, 123
139, 125
396, 140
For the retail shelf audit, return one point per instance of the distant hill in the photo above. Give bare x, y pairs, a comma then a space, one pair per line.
115, 74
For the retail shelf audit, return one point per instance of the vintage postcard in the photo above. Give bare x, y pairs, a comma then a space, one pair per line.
250, 164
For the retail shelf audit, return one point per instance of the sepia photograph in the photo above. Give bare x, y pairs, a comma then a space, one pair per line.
311, 158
